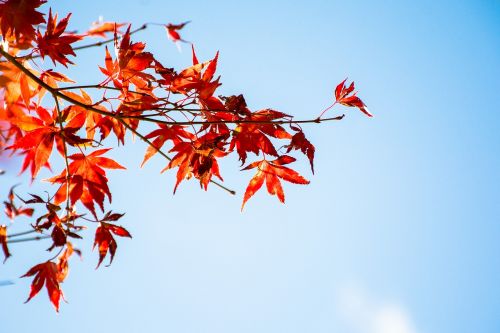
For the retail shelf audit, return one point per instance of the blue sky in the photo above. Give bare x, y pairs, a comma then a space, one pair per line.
397, 232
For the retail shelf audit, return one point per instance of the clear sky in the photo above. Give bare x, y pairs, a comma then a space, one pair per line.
399, 230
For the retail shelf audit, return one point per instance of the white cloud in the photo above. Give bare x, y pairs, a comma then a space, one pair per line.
363, 313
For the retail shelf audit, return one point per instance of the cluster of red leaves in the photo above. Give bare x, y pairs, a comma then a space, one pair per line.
190, 121
17, 18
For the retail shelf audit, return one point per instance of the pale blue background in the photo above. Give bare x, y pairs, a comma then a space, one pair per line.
405, 206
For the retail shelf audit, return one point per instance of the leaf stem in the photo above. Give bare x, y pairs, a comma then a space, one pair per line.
323, 112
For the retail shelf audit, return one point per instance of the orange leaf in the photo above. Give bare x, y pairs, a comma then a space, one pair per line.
88, 182
47, 274
18, 17
105, 241
271, 171
99, 29
198, 158
3, 242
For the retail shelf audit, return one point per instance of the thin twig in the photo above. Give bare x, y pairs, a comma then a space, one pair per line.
28, 239
65, 150
22, 233
107, 41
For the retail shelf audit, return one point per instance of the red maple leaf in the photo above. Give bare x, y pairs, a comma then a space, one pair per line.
130, 65
253, 135
55, 43
41, 134
17, 18
172, 31
93, 120
197, 77
271, 172
51, 275
38, 141
51, 78
299, 142
198, 158
104, 237
345, 96
175, 133
87, 182
47, 274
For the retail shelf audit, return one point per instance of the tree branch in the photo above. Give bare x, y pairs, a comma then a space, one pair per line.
90, 108
120, 117
22, 233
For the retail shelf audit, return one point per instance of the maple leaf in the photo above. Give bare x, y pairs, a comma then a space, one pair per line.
236, 104
93, 120
87, 182
299, 141
130, 65
172, 31
104, 237
16, 84
345, 96
132, 105
168, 74
254, 136
55, 43
175, 133
99, 29
47, 274
51, 78
41, 134
3, 242
192, 78
198, 158
38, 141
217, 110
17, 18
271, 172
